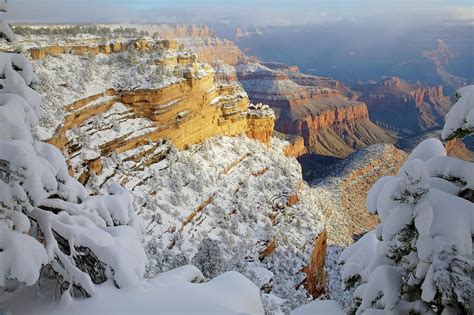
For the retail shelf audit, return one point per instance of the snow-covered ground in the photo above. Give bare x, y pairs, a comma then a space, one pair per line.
235, 191
180, 291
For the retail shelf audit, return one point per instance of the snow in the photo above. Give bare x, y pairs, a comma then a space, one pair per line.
460, 118
222, 168
428, 149
47, 219
5, 29
260, 110
327, 307
419, 208
357, 257
21, 257
91, 239
40, 201
173, 292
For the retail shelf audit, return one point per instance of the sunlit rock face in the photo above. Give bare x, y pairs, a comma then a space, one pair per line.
456, 148
320, 110
179, 102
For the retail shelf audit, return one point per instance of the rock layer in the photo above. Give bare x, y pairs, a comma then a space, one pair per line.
184, 112
316, 278
96, 48
403, 107
456, 148
313, 108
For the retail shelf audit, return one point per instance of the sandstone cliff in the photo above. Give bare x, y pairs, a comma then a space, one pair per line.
313, 108
295, 147
172, 98
183, 113
301, 98
95, 47
404, 107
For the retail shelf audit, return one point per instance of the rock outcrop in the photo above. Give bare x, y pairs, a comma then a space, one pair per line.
186, 110
299, 98
313, 108
95, 47
316, 278
456, 148
295, 147
403, 107
441, 57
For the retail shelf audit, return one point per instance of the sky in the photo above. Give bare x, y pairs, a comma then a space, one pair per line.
243, 12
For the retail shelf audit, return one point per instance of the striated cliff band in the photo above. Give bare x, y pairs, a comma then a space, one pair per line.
404, 107
320, 110
187, 110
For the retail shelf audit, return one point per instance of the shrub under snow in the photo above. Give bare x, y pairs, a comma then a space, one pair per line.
420, 259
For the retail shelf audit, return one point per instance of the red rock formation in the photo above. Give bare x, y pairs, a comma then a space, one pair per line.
329, 123
316, 278
186, 112
260, 128
441, 56
403, 107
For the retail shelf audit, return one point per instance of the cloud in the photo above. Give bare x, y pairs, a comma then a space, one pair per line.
255, 12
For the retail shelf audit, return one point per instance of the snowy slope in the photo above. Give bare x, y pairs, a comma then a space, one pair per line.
235, 190
59, 243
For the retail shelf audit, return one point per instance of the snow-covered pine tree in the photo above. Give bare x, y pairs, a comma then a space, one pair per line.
419, 260
209, 258
50, 226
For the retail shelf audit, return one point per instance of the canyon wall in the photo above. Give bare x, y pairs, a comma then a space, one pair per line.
403, 107
320, 110
334, 131
95, 47
185, 111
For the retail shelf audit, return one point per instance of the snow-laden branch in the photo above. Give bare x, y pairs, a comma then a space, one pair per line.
460, 118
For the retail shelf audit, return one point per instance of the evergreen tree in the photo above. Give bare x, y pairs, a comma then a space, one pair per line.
420, 257
50, 226
209, 258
